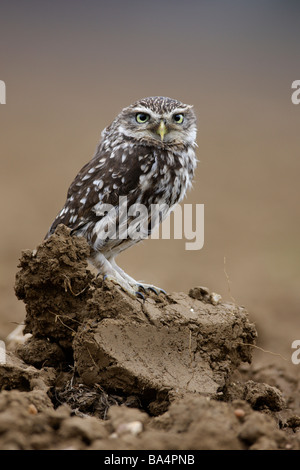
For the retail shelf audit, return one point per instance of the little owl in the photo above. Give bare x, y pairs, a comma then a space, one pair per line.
145, 159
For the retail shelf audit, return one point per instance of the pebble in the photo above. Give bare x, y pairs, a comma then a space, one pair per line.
134, 427
239, 413
32, 409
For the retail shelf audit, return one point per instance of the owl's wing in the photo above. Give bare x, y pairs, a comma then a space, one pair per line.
102, 181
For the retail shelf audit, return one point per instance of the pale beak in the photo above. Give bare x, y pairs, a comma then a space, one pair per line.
162, 130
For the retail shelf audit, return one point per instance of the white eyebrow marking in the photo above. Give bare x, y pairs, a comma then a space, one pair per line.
157, 116
141, 109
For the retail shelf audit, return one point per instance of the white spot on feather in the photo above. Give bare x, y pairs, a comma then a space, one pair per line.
98, 183
73, 218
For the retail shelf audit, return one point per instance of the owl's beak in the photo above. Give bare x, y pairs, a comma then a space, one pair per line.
162, 130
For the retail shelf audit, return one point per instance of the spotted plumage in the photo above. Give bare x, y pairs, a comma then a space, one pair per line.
145, 157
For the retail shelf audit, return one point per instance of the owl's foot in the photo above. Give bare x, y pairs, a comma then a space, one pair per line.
134, 289
140, 287
150, 288
111, 271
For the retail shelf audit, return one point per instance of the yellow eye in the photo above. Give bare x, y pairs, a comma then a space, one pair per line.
178, 118
142, 117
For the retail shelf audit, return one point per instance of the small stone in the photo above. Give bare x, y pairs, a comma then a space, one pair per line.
239, 413
202, 293
32, 409
215, 298
199, 293
134, 428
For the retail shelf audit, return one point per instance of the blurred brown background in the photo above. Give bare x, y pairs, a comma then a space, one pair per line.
70, 67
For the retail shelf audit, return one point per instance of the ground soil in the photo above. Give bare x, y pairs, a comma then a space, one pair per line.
103, 370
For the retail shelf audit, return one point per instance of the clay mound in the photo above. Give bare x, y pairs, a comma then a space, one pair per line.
103, 370
166, 349
157, 349
54, 283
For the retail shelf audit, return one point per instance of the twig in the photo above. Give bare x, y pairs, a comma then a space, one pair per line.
228, 282
263, 350
66, 316
58, 317
67, 283
93, 360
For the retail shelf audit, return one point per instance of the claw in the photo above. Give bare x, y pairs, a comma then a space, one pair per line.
130, 288
140, 295
149, 288
140, 286
153, 290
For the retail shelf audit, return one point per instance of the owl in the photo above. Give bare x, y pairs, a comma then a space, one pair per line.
145, 159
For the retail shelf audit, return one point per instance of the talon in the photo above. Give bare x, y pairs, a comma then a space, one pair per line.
149, 288
104, 277
153, 290
142, 287
139, 294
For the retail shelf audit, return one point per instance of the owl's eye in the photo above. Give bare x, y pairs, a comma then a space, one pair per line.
178, 118
142, 117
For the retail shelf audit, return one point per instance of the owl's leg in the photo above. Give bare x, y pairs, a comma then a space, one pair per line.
139, 286
107, 269
122, 273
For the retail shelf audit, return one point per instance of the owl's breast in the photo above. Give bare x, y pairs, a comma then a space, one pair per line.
168, 178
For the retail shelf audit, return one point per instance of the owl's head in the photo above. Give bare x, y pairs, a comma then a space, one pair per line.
158, 121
